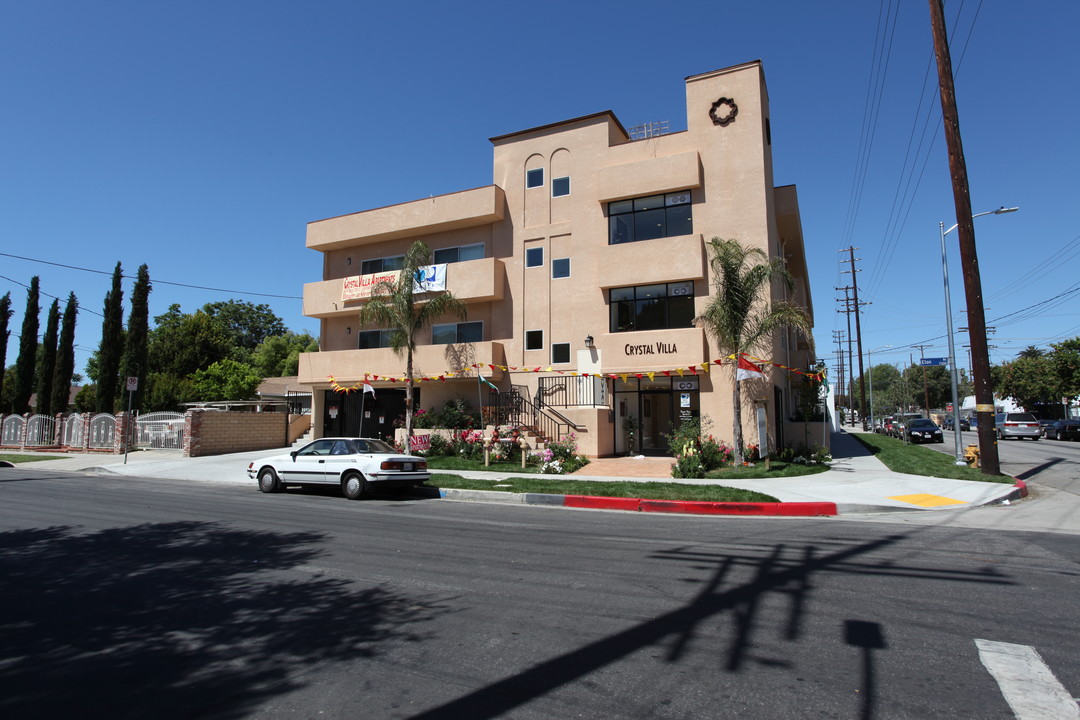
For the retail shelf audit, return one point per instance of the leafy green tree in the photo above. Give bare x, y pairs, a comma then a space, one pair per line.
64, 373
86, 398
111, 348
5, 314
394, 305
25, 364
226, 380
47, 364
182, 343
1066, 361
165, 391
740, 316
279, 355
245, 323
1030, 381
136, 360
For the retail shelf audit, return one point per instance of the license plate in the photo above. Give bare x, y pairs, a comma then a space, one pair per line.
407, 467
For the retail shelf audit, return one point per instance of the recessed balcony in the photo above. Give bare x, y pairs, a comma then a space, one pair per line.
469, 208
349, 366
471, 281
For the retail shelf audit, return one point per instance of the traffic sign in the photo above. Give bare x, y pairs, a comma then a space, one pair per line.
933, 362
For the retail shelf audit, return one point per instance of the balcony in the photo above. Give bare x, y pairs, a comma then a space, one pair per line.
653, 261
348, 366
472, 281
469, 208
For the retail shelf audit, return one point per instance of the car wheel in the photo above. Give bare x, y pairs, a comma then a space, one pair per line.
1036, 438
354, 485
1060, 435
268, 481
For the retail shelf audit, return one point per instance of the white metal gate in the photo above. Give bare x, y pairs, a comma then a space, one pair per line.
162, 430
12, 430
73, 431
102, 429
40, 431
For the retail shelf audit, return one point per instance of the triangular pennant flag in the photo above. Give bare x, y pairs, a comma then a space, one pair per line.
747, 370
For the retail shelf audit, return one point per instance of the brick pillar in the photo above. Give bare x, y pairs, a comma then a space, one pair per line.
120, 433
58, 431
25, 427
84, 441
192, 433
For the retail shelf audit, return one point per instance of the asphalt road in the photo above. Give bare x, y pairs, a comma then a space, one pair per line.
128, 598
1050, 462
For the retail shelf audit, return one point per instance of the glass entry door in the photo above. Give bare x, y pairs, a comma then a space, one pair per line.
655, 422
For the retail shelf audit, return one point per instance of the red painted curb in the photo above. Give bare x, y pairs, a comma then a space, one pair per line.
602, 503
792, 509
1022, 487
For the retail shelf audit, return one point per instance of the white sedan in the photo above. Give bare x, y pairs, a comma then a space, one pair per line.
357, 465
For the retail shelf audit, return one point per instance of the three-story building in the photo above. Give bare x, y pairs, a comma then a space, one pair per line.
583, 267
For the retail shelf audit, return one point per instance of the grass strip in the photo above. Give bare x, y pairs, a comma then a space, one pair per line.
12, 458
643, 490
912, 459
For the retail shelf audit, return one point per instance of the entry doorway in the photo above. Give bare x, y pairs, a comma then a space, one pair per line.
652, 409
359, 414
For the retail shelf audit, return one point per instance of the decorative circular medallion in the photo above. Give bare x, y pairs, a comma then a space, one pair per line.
723, 116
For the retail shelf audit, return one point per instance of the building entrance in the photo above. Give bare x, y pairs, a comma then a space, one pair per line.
650, 410
360, 414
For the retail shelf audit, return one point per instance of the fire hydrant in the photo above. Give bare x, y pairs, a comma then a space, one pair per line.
971, 455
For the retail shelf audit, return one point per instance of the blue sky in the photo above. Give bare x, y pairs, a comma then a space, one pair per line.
200, 138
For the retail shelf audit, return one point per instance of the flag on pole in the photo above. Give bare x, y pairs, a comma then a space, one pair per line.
369, 389
747, 370
480, 378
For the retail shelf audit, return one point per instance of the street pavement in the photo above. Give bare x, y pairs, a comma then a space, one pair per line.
857, 482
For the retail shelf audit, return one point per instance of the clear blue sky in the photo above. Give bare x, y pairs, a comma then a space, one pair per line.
201, 137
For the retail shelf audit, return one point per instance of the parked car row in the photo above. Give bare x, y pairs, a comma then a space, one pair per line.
1062, 430
1007, 426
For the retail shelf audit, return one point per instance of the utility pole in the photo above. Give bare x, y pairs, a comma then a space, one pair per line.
926, 388
851, 371
838, 338
980, 354
858, 332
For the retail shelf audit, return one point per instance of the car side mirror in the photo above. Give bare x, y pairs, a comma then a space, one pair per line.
293, 454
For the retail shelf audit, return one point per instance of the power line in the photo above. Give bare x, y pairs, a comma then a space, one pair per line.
42, 292
156, 281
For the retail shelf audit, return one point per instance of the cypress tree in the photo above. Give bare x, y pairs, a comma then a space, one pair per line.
138, 334
48, 361
24, 364
112, 346
5, 314
65, 357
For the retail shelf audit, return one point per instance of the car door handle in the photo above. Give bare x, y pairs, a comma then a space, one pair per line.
322, 461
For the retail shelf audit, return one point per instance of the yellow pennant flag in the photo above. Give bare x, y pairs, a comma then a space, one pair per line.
651, 375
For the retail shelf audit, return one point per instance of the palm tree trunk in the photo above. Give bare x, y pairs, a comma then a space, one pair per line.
736, 432
408, 400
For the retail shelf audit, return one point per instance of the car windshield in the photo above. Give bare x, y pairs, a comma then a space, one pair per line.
922, 423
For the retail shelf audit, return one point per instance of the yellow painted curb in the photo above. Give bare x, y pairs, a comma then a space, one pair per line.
927, 500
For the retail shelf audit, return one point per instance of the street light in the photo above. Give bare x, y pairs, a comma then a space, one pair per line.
948, 326
870, 362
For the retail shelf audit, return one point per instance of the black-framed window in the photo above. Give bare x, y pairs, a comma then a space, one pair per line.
534, 257
560, 186
460, 253
534, 339
648, 218
560, 353
378, 265
534, 178
560, 268
662, 306
369, 339
463, 332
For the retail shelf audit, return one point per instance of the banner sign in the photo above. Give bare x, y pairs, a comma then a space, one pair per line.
419, 442
430, 278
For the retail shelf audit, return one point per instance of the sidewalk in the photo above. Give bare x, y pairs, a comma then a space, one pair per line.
856, 483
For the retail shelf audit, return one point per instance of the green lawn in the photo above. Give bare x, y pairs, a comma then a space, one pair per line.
453, 462
919, 460
644, 490
29, 458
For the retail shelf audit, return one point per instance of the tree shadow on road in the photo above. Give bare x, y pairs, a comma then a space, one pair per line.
179, 619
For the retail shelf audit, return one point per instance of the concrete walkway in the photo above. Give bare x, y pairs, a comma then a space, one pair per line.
857, 481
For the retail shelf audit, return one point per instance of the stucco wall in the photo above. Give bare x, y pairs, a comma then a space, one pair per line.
217, 433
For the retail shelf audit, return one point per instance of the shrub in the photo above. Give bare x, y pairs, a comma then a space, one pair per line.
440, 446
688, 462
561, 458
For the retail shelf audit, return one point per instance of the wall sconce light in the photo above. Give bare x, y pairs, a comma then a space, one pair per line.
589, 341
348, 331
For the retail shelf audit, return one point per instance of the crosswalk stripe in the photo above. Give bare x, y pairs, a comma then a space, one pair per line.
1027, 683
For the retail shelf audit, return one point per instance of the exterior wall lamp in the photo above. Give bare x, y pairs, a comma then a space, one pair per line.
589, 341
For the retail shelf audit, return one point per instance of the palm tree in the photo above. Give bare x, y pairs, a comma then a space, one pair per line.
394, 305
739, 316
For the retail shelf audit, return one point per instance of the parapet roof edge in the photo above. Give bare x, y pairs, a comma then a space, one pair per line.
603, 114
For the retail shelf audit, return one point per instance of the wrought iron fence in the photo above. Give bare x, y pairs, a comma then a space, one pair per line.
102, 430
73, 431
40, 431
160, 430
12, 430
573, 391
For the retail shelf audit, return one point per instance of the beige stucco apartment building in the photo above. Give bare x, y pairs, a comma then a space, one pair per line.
583, 267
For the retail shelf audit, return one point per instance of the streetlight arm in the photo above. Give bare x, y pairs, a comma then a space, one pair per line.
1000, 211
